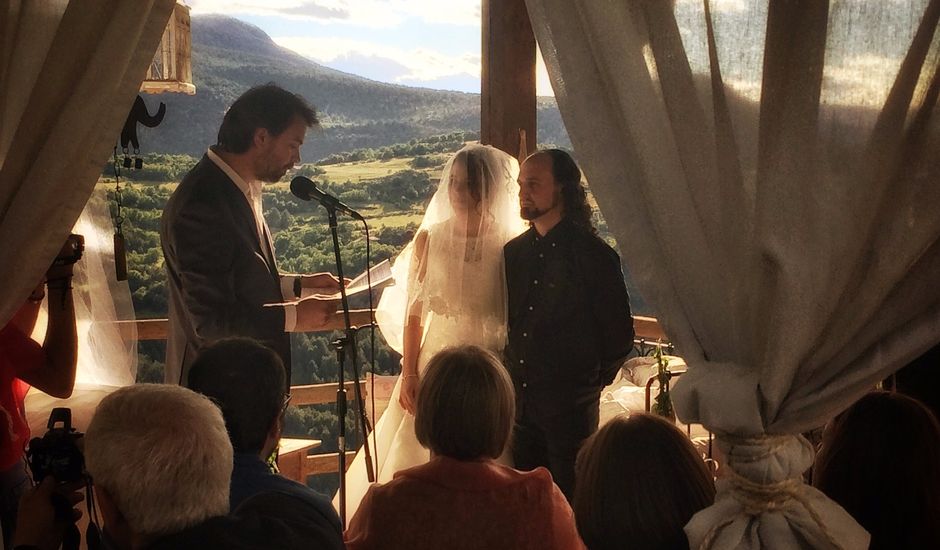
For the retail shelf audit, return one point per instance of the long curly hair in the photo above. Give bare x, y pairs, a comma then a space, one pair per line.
567, 174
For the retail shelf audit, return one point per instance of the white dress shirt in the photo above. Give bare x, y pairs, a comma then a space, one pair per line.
252, 192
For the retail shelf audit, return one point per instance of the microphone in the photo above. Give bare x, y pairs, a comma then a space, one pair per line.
306, 190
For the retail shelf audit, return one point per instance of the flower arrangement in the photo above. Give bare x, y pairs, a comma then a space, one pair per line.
662, 404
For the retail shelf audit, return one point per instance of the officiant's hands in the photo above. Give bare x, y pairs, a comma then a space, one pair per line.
320, 283
314, 312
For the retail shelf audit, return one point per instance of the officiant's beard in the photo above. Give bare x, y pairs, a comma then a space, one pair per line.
273, 174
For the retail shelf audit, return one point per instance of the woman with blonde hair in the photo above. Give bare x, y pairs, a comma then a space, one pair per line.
462, 498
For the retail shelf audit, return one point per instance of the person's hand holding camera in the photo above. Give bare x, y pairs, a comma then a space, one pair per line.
61, 268
58, 277
38, 524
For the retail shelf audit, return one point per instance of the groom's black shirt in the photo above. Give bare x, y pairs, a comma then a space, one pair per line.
569, 312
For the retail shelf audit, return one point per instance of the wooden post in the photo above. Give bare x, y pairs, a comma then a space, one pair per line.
508, 79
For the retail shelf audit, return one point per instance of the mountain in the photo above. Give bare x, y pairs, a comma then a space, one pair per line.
229, 56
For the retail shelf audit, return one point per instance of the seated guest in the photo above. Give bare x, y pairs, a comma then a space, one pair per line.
161, 462
639, 481
463, 499
247, 379
880, 460
920, 379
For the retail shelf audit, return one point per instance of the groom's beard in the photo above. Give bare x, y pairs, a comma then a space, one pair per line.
530, 213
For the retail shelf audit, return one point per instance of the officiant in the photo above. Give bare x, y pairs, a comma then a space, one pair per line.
219, 254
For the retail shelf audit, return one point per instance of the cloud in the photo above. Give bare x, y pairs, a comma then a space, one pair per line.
314, 10
324, 10
543, 82
367, 13
411, 67
383, 62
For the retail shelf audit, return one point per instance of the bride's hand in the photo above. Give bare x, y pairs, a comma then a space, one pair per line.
409, 392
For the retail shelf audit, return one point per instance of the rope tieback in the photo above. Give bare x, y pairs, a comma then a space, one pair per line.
771, 445
759, 498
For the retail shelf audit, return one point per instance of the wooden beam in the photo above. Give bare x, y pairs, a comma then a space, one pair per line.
292, 457
157, 329
147, 329
648, 328
318, 394
326, 463
508, 76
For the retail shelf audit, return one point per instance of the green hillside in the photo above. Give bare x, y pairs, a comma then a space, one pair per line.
229, 56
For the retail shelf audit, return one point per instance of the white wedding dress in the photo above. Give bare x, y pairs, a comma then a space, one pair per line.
463, 298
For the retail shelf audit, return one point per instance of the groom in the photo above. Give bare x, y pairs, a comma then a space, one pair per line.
569, 317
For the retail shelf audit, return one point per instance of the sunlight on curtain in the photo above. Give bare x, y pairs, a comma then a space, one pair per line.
107, 357
770, 172
69, 72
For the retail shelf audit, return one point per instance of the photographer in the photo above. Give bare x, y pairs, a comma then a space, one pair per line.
24, 363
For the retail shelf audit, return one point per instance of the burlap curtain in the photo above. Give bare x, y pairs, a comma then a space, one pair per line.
69, 72
770, 171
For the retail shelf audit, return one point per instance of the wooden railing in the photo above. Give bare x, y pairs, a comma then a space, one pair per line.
647, 329
157, 329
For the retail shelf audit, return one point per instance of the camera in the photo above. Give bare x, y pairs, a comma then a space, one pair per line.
72, 250
56, 453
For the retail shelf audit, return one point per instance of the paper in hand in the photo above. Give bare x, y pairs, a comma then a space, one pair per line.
381, 275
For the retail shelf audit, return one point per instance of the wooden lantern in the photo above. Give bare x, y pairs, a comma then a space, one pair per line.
171, 69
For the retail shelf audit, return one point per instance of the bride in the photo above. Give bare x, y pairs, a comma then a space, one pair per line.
449, 290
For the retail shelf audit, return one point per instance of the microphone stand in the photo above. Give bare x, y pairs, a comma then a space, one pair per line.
348, 341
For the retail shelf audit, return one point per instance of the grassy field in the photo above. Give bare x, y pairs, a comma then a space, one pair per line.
378, 216
359, 171
349, 171
396, 219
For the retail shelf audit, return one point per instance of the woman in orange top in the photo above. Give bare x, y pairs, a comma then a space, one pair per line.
463, 499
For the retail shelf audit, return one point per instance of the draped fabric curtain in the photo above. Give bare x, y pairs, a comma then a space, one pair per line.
69, 72
107, 354
771, 171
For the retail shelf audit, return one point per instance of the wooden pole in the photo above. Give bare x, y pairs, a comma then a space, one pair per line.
508, 79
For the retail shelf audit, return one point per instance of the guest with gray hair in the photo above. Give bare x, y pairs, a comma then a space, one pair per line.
161, 461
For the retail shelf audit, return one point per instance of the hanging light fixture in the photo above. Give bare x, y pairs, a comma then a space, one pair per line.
171, 69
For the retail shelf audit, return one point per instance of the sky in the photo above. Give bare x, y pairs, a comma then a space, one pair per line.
425, 43
436, 43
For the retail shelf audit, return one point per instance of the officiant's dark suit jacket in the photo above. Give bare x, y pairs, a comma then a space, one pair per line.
218, 273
